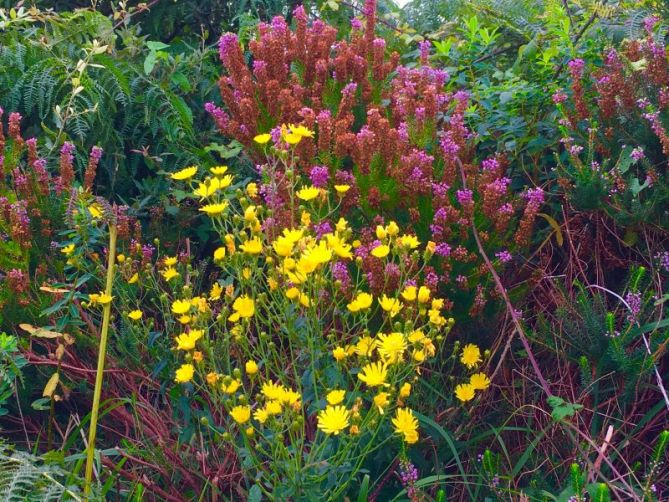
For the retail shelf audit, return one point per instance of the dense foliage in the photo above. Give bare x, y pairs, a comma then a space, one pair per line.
337, 250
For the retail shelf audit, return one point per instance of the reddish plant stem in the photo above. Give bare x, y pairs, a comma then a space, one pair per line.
505, 296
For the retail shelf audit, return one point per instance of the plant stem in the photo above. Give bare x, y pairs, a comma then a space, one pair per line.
106, 313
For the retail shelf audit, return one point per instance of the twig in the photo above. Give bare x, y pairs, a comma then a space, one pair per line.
505, 296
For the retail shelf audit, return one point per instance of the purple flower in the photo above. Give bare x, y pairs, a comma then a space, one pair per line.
465, 197
633, 300
319, 176
443, 249
504, 256
227, 44
637, 154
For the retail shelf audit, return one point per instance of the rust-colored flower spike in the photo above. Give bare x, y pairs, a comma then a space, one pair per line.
2, 135
14, 129
92, 166
66, 167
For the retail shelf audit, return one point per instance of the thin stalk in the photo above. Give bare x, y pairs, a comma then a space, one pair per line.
106, 313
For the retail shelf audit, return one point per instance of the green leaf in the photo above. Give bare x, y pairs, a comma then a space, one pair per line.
156, 46
562, 409
255, 494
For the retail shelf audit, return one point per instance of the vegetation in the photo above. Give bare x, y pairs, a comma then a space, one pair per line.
338, 250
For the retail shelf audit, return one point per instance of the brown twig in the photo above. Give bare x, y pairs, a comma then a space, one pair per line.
502, 291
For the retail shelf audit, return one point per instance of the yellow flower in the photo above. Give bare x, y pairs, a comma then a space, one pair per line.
465, 392
305, 219
406, 424
134, 278
185, 319
120, 258
273, 407
339, 246
380, 251
135, 315
381, 401
423, 294
342, 189
184, 373
374, 374
317, 255
293, 235
243, 307
251, 367
361, 302
185, 173
169, 273
232, 387
381, 232
252, 190
252, 246
186, 341
95, 210
68, 250
392, 229
365, 346
241, 414
198, 356
391, 347
416, 336
211, 378
339, 353
291, 138
335, 396
216, 292
471, 355
219, 253
409, 241
272, 390
390, 305
418, 355
170, 261
218, 170
405, 390
333, 419
283, 246
301, 130
479, 381
215, 209
261, 415
104, 298
180, 306
262, 139
308, 193
409, 293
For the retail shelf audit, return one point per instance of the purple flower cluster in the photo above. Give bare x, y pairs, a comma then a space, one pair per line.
319, 176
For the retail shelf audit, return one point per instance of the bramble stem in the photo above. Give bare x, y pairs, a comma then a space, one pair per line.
106, 314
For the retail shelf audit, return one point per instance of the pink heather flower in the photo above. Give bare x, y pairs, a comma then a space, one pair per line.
576, 67
504, 256
637, 154
465, 197
319, 176
227, 44
559, 97
356, 24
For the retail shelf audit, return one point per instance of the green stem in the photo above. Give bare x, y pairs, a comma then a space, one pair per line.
106, 313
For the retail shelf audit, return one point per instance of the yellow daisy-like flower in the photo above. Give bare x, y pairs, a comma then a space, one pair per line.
243, 307
291, 138
381, 401
406, 424
465, 392
251, 367
390, 305
333, 419
479, 381
301, 130
262, 139
374, 374
261, 415
342, 189
241, 414
186, 341
405, 390
215, 209
218, 170
184, 373
392, 228
184, 174
181, 306
409, 241
365, 346
169, 273
272, 391
308, 193
95, 210
232, 387
273, 407
104, 299
134, 278
471, 355
252, 190
335, 397
423, 295
361, 302
409, 293
380, 251
68, 250
339, 353
135, 315
252, 246
216, 292
170, 261
391, 347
